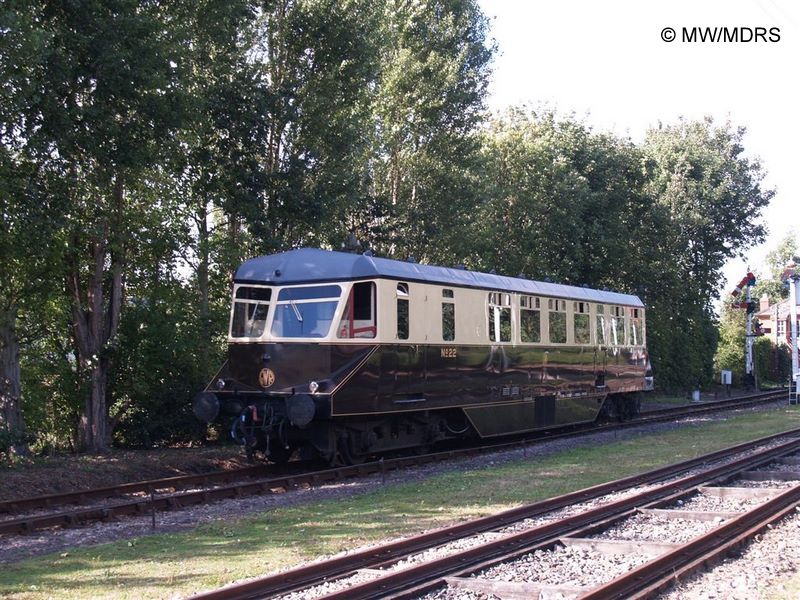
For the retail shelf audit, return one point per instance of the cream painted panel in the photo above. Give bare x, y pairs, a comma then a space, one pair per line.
471, 310
387, 311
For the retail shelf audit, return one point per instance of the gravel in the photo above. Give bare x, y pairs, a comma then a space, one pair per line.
570, 565
653, 528
777, 484
330, 587
758, 573
710, 503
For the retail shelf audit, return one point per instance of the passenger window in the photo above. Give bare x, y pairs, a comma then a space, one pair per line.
600, 331
581, 325
358, 319
618, 326
558, 321
448, 321
499, 317
402, 311
530, 321
636, 330
448, 316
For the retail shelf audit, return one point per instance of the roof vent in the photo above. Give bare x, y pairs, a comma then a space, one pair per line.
277, 272
460, 267
368, 253
411, 259
351, 243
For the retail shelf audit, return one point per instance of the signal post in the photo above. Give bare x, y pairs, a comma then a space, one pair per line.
793, 279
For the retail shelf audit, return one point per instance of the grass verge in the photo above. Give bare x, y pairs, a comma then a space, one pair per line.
178, 564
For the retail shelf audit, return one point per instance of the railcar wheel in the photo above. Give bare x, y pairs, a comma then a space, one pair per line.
456, 424
633, 405
345, 454
621, 407
280, 453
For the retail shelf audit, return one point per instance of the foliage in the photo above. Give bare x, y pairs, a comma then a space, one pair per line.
772, 363
707, 194
769, 283
567, 204
730, 351
149, 147
563, 203
427, 104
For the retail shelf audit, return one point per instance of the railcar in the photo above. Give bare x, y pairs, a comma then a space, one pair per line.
347, 355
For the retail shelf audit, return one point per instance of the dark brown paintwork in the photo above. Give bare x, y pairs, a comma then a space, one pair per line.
505, 388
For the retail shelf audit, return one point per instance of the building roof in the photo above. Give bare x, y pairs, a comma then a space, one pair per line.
311, 265
781, 307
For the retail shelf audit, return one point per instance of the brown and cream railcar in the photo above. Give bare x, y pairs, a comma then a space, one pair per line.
347, 355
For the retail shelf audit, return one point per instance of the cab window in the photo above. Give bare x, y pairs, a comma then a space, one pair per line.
636, 329
250, 310
305, 312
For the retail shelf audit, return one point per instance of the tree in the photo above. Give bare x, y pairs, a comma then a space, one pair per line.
708, 196
18, 249
712, 195
316, 63
730, 350
98, 108
563, 203
427, 107
30, 215
769, 279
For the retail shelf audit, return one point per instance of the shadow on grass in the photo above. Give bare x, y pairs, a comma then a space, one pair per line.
87, 578
219, 552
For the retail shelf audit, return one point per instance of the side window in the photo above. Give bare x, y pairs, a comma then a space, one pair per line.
448, 316
558, 320
581, 323
636, 330
530, 320
617, 326
601, 330
358, 319
499, 317
402, 311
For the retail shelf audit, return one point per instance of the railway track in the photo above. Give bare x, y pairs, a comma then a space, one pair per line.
403, 569
143, 498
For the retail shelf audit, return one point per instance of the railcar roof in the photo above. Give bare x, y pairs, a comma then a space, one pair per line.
311, 265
